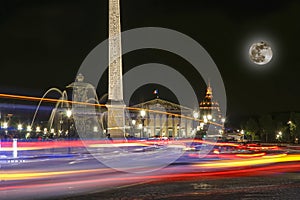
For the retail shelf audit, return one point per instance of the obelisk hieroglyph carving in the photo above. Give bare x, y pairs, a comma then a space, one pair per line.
115, 104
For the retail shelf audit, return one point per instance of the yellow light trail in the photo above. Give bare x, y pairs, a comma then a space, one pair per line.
30, 175
255, 161
22, 148
51, 100
16, 175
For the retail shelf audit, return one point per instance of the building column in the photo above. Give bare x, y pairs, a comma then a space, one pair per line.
186, 128
173, 126
160, 125
154, 124
151, 125
167, 125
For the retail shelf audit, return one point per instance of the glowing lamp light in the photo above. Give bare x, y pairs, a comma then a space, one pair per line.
196, 115
140, 126
201, 124
133, 122
69, 113
28, 128
5, 125
38, 129
20, 127
209, 117
143, 113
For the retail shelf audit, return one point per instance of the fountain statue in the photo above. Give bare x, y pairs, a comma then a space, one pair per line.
81, 115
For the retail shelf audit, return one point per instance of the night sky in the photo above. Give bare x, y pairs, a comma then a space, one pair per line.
43, 44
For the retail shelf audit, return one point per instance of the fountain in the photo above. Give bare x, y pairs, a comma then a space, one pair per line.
85, 111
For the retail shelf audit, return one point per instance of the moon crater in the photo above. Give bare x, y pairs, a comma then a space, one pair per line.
260, 53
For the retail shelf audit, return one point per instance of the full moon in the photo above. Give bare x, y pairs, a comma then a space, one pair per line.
260, 53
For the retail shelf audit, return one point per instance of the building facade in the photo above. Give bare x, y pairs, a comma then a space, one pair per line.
162, 118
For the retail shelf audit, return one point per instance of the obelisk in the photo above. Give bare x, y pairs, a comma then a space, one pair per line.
115, 104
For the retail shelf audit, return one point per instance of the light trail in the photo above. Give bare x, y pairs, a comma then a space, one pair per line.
15, 175
29, 145
51, 100
251, 162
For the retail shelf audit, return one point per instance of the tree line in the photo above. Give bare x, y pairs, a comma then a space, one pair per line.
268, 128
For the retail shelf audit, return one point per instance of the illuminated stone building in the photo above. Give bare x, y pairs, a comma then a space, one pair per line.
209, 108
162, 119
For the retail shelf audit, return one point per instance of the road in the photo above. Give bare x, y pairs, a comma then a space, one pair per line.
81, 176
277, 186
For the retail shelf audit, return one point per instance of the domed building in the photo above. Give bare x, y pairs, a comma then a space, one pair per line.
173, 120
210, 108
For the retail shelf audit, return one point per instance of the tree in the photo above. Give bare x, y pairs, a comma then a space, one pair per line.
266, 128
294, 126
281, 127
252, 127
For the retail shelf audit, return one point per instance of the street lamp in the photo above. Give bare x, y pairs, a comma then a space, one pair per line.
20, 127
292, 127
196, 116
52, 131
95, 129
38, 129
209, 117
143, 114
5, 125
61, 126
28, 128
69, 114
243, 135
223, 120
205, 119
133, 122
279, 135
201, 125
46, 132
37, 132
140, 126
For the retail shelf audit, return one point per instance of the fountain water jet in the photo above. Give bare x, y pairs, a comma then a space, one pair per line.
82, 93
